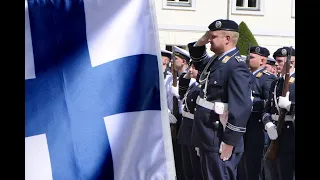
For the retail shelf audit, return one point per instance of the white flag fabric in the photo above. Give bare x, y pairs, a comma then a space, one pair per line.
95, 103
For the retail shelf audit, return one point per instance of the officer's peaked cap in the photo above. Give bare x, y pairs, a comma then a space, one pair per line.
166, 53
184, 54
271, 61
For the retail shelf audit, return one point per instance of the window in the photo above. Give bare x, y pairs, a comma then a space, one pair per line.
250, 7
179, 4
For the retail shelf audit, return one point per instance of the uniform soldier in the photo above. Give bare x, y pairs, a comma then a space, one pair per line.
224, 104
286, 153
181, 66
189, 90
251, 163
166, 58
271, 66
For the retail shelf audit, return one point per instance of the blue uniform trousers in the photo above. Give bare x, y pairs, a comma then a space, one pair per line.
213, 168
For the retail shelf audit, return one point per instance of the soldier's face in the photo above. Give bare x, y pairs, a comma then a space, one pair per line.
178, 63
193, 72
165, 60
217, 41
280, 62
274, 70
255, 61
269, 68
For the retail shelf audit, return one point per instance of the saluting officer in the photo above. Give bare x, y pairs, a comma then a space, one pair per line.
250, 167
189, 89
285, 161
224, 104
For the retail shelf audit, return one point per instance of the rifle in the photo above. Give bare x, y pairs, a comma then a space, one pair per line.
273, 148
175, 108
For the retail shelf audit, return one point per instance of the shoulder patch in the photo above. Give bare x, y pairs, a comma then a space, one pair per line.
259, 75
267, 72
239, 59
225, 59
291, 80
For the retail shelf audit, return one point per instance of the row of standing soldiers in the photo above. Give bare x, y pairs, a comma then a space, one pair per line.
229, 108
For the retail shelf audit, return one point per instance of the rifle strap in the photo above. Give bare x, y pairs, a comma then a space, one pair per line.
275, 96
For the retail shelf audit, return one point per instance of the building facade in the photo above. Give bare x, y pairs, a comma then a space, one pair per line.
272, 22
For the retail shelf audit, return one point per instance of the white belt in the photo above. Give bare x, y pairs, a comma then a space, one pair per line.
287, 117
217, 106
187, 115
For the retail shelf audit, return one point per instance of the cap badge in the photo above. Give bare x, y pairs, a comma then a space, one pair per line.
218, 24
257, 50
284, 52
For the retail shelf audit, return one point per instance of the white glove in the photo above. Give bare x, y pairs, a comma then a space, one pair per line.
284, 102
251, 97
175, 91
271, 130
172, 119
197, 150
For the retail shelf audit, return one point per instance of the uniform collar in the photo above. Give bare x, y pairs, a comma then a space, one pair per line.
227, 52
256, 71
294, 70
291, 73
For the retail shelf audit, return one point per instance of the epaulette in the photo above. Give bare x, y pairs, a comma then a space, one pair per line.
291, 80
259, 74
267, 72
239, 59
225, 59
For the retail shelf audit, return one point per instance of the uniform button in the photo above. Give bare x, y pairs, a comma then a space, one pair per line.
195, 109
215, 82
191, 100
259, 120
288, 126
253, 91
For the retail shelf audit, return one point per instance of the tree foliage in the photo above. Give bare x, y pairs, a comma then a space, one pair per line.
245, 38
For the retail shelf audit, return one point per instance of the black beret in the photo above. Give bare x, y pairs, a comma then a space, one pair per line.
283, 52
271, 61
224, 24
262, 51
166, 53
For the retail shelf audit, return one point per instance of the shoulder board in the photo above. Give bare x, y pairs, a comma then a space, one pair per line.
259, 74
291, 80
225, 59
239, 59
267, 72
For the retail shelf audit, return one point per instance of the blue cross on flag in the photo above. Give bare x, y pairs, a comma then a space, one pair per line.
95, 105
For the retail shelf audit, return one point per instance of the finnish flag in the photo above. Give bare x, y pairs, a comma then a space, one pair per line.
95, 104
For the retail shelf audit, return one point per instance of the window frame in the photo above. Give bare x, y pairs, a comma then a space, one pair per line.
176, 5
257, 11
